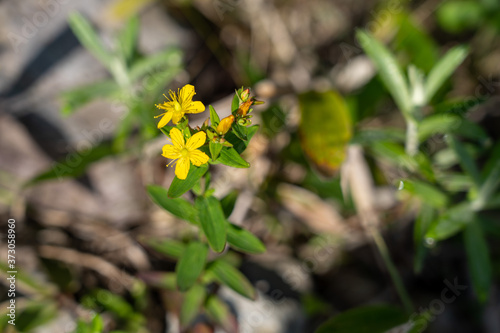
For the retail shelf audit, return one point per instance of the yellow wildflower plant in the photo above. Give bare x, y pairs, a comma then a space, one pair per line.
185, 152
178, 105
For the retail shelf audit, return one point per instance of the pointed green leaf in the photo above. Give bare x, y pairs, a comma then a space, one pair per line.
451, 222
97, 324
226, 274
428, 193
227, 203
388, 69
168, 247
74, 165
238, 144
181, 186
168, 59
176, 206
127, 39
466, 160
78, 97
193, 300
215, 149
478, 258
443, 70
367, 319
240, 131
191, 265
218, 311
212, 221
214, 117
230, 157
243, 240
89, 39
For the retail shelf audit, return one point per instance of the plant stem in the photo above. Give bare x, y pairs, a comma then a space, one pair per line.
411, 146
393, 272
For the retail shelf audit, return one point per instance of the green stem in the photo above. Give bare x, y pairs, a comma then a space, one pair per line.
393, 272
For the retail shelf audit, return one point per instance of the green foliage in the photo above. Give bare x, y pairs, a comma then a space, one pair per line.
190, 265
368, 319
226, 274
213, 222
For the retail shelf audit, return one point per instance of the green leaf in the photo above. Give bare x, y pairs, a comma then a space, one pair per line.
424, 219
226, 274
78, 97
388, 69
170, 58
214, 117
127, 39
367, 319
113, 303
443, 70
227, 203
168, 247
176, 206
478, 258
438, 124
35, 314
212, 222
489, 186
97, 324
240, 131
230, 157
218, 311
191, 265
466, 160
181, 186
325, 129
428, 193
235, 103
451, 222
238, 144
458, 16
215, 149
192, 302
369, 135
74, 165
88, 38
243, 240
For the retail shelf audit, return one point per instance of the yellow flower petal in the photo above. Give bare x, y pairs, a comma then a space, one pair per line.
198, 157
195, 107
186, 93
171, 152
196, 141
182, 168
177, 116
165, 119
177, 138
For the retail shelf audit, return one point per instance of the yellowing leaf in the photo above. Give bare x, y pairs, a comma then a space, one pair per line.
325, 129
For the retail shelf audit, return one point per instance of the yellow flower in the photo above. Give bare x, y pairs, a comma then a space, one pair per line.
225, 125
178, 105
185, 152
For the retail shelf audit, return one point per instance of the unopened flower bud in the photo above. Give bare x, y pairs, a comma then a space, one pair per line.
244, 94
243, 109
225, 125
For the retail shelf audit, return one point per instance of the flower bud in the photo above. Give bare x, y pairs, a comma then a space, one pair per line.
225, 125
243, 109
244, 94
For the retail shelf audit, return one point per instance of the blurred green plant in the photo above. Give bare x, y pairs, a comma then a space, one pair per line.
439, 156
136, 83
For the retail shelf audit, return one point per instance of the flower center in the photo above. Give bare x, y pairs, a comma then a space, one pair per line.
184, 152
177, 106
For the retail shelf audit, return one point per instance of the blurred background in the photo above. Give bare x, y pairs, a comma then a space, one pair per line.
78, 145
